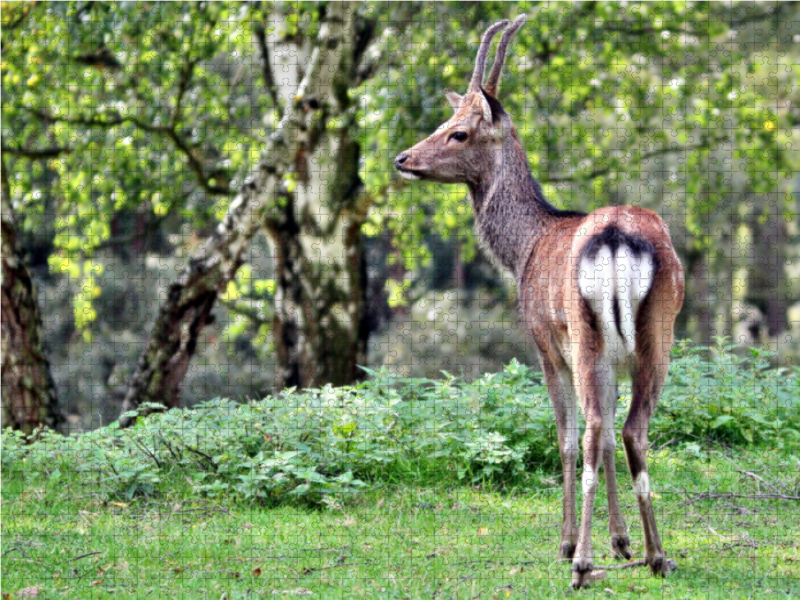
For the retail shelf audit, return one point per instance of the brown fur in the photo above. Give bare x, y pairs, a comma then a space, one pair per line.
543, 247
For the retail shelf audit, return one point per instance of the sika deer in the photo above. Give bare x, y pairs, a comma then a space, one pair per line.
599, 294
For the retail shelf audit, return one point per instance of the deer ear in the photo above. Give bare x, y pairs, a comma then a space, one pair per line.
495, 110
453, 98
487, 110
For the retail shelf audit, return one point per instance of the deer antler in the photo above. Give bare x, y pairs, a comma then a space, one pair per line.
480, 61
494, 77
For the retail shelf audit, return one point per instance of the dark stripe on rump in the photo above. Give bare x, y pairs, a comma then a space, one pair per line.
612, 237
617, 315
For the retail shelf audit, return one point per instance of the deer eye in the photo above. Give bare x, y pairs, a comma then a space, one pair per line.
459, 136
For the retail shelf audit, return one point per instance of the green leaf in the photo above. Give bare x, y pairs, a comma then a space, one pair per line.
721, 420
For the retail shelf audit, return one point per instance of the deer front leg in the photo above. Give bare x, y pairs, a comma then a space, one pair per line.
620, 542
562, 396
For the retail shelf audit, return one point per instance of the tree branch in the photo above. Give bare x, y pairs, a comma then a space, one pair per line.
37, 153
169, 131
779, 9
266, 69
647, 155
183, 85
631, 29
238, 309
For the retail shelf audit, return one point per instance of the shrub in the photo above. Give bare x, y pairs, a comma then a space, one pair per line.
728, 398
315, 444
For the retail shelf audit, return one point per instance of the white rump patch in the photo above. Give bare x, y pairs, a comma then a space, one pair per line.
619, 276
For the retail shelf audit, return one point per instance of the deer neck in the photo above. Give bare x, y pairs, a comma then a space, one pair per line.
511, 212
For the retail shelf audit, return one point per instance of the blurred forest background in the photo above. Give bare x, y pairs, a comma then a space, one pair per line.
198, 199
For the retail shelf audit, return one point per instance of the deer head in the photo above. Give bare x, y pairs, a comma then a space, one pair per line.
466, 148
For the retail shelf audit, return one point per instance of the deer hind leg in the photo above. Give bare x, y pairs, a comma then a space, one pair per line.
620, 542
648, 379
596, 384
562, 395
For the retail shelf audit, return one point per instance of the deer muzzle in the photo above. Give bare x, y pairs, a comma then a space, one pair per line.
399, 163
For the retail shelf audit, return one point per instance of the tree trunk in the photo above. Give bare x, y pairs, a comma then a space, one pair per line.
266, 198
697, 303
720, 284
28, 391
767, 281
320, 324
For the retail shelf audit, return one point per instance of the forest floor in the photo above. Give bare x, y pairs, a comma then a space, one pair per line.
60, 539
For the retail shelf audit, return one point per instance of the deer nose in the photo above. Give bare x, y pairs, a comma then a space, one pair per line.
401, 158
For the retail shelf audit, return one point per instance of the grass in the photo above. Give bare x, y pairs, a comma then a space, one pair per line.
63, 539
405, 488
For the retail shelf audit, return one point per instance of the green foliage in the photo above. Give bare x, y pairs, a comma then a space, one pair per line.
145, 110
319, 444
731, 398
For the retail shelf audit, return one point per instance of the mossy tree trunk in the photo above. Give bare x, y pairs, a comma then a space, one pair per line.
320, 322
28, 390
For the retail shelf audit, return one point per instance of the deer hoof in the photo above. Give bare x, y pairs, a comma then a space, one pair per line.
661, 565
566, 551
581, 572
621, 546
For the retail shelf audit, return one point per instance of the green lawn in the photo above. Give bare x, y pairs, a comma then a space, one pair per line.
61, 539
